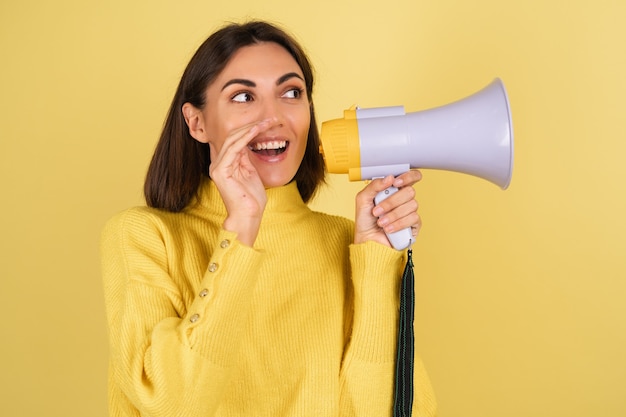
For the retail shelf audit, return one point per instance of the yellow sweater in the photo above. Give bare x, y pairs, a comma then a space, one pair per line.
303, 324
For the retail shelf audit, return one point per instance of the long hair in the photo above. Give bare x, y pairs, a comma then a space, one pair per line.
179, 161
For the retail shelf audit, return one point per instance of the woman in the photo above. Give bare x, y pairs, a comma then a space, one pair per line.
228, 296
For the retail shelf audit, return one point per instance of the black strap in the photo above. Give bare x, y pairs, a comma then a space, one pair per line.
403, 398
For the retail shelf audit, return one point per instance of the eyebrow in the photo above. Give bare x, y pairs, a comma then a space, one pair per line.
288, 76
251, 84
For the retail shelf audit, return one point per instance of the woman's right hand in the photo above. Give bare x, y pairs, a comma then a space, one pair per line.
238, 181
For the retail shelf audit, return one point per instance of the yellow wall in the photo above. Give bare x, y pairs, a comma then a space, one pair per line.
521, 294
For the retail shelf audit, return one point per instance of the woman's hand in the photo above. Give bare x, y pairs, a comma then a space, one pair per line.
397, 212
238, 182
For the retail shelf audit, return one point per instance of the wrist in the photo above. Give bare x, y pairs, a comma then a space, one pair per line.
246, 228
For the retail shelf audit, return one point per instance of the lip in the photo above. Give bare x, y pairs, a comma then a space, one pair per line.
267, 145
270, 150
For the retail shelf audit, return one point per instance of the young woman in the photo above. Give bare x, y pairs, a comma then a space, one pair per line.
227, 295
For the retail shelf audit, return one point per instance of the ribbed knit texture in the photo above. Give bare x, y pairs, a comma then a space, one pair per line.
303, 324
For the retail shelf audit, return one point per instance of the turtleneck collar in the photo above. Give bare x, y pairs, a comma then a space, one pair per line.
281, 201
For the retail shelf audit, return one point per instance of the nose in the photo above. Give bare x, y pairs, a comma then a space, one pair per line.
272, 109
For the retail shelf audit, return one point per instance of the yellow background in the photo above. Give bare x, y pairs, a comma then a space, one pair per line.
521, 294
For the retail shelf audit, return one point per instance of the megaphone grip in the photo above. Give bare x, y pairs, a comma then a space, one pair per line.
400, 239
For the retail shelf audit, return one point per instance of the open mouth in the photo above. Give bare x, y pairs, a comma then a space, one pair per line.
270, 148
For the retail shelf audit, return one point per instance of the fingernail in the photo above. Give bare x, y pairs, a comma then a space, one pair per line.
377, 212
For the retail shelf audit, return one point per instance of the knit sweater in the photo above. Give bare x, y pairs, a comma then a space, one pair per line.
302, 324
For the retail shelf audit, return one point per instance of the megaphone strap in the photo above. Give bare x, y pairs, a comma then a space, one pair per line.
403, 397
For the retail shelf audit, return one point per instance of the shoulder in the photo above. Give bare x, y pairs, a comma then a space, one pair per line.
139, 226
339, 227
331, 219
137, 238
134, 219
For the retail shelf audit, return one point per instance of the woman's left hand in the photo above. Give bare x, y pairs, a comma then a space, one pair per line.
397, 212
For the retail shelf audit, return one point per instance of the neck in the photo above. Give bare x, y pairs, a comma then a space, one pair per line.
281, 201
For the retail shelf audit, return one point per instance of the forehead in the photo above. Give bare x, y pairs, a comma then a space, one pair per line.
266, 59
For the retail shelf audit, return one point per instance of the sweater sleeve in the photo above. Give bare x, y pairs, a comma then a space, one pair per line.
367, 377
168, 360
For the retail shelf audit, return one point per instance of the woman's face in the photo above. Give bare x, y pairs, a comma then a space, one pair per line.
261, 81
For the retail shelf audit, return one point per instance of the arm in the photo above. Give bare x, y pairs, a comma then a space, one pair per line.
369, 363
167, 358
368, 372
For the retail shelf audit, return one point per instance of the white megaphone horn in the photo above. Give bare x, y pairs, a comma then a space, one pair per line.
473, 136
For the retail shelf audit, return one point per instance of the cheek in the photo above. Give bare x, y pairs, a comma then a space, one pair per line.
305, 131
301, 123
220, 125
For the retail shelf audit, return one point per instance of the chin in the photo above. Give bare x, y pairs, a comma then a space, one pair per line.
274, 183
273, 177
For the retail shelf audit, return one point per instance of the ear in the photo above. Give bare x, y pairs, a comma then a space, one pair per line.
195, 122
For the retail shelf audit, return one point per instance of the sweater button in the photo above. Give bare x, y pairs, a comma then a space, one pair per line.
225, 243
213, 267
204, 293
194, 318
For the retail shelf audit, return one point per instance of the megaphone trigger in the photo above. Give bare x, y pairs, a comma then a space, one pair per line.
400, 239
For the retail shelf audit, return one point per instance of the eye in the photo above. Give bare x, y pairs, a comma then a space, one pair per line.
293, 93
242, 97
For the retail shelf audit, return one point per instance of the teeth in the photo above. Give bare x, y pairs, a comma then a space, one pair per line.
275, 144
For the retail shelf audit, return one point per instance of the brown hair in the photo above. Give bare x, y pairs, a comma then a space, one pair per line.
179, 161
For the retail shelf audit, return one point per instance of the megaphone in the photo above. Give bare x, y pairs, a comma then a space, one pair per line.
473, 135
